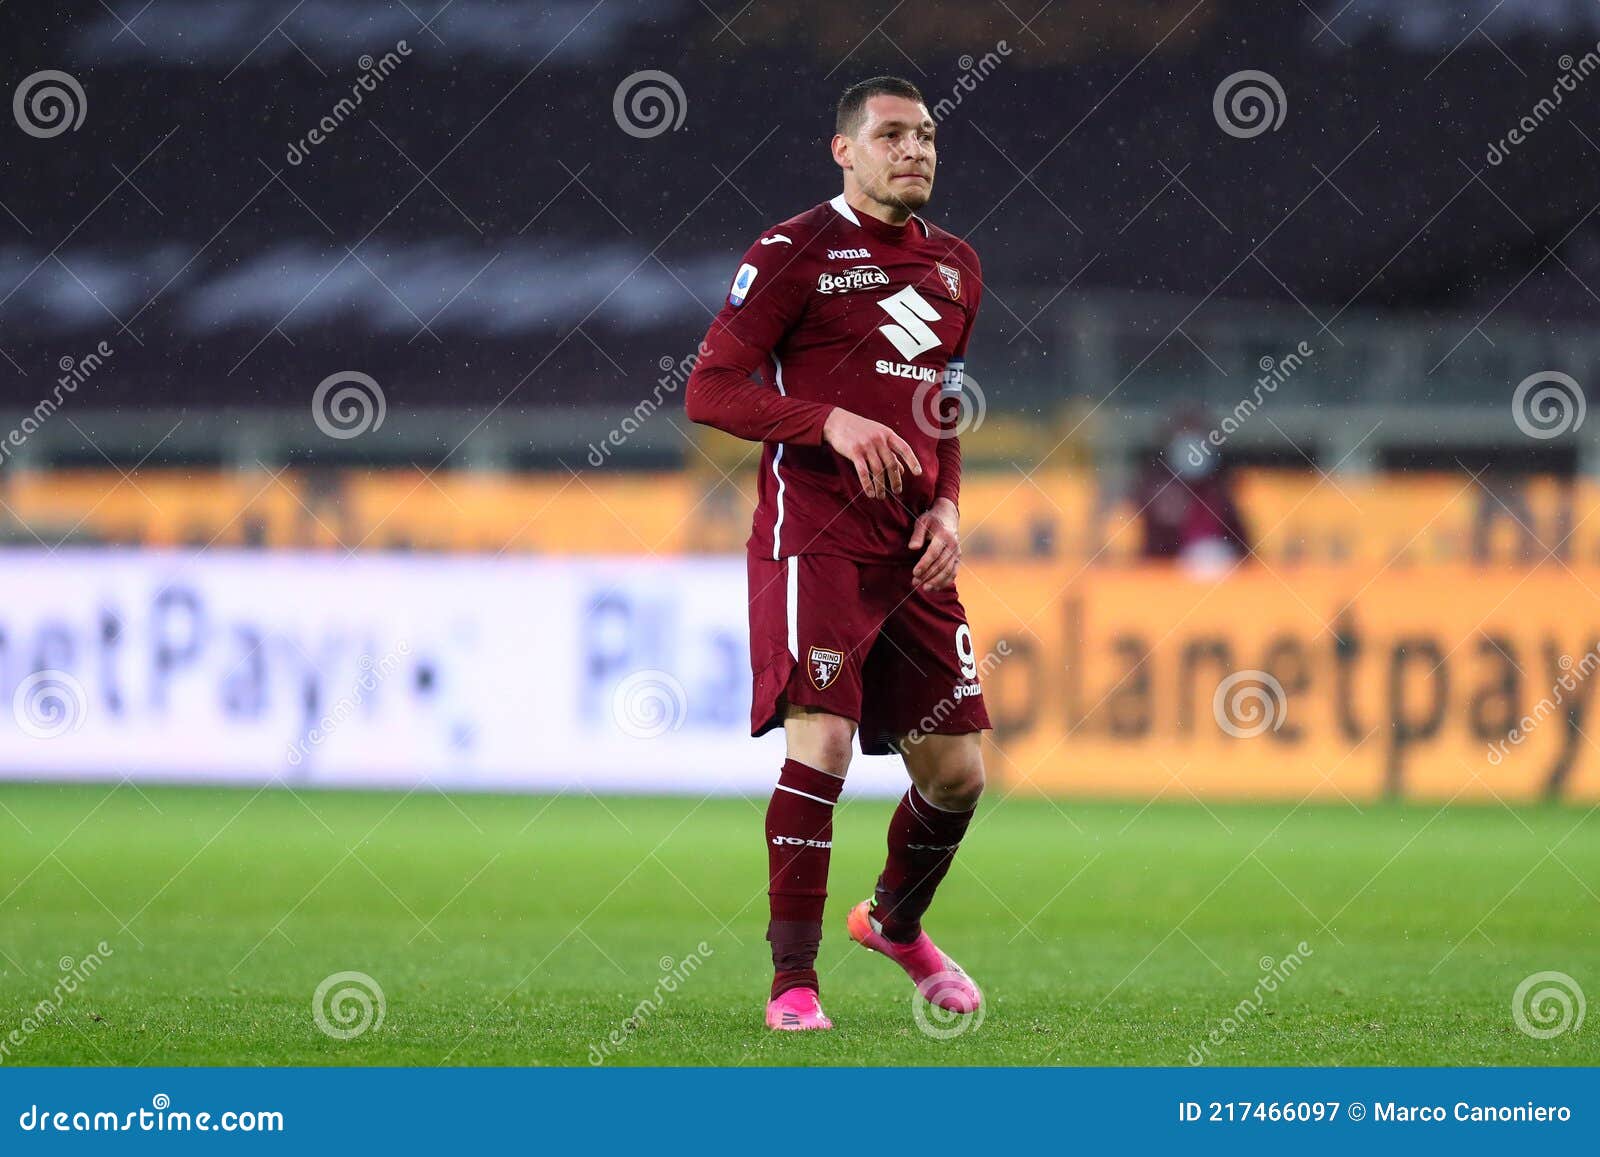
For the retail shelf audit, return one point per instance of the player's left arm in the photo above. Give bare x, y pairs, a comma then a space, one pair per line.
936, 532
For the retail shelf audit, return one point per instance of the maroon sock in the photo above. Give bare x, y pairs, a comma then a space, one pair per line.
799, 838
922, 843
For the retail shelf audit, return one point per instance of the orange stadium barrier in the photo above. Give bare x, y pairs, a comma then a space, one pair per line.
1293, 517
1358, 682
1391, 664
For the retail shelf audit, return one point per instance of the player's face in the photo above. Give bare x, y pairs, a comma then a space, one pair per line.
892, 155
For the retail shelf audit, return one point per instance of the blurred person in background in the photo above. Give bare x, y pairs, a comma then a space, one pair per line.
1536, 532
1185, 498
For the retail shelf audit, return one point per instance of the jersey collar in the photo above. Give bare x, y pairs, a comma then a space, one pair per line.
842, 207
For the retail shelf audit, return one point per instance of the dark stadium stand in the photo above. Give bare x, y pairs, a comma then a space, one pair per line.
460, 264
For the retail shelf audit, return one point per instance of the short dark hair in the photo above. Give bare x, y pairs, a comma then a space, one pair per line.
853, 101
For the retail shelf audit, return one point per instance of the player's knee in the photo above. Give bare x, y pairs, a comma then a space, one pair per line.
957, 785
829, 753
821, 741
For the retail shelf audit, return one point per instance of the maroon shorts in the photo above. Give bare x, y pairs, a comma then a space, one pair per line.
858, 640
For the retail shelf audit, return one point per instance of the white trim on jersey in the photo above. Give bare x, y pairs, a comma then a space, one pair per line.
792, 566
842, 207
777, 524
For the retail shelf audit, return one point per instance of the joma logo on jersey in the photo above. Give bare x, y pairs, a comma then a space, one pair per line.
852, 279
824, 664
907, 370
847, 254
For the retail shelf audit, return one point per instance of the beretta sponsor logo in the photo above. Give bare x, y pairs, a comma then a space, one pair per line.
852, 279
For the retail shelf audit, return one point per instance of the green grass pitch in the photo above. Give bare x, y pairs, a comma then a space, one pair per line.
515, 930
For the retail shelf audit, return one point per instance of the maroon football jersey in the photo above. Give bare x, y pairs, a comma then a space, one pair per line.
838, 308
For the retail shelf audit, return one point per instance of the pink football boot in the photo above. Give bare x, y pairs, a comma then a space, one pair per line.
940, 980
796, 1010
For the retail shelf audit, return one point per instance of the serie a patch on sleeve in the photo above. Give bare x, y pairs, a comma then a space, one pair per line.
742, 282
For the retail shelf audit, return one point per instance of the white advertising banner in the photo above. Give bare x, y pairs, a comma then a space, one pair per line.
381, 670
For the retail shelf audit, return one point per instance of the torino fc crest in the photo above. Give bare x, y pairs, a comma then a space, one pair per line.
825, 666
952, 279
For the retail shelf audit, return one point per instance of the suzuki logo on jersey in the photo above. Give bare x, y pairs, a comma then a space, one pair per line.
824, 664
741, 284
910, 333
952, 279
847, 254
906, 370
852, 279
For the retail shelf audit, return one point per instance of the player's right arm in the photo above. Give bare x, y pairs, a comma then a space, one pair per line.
764, 302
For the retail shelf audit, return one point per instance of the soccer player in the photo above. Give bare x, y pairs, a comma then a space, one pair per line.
857, 314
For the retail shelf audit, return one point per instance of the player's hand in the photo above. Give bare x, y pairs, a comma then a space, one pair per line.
936, 528
876, 451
